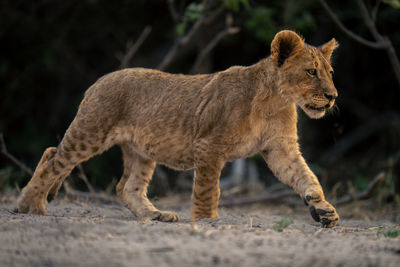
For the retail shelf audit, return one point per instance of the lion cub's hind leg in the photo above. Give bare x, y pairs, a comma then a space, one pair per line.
132, 187
34, 201
57, 163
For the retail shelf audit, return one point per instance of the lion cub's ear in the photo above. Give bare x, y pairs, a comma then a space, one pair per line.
285, 44
328, 48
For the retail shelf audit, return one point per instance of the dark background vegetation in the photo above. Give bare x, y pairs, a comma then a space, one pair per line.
52, 51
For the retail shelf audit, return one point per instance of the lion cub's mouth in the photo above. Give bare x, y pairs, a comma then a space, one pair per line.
315, 108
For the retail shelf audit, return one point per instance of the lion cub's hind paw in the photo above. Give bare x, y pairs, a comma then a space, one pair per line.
33, 207
164, 216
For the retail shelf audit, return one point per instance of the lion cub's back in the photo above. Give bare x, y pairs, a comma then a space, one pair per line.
151, 109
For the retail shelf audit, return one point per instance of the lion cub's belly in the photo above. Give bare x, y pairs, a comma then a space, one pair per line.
177, 151
176, 157
173, 150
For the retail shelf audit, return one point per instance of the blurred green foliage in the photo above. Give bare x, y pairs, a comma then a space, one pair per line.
282, 224
361, 181
391, 233
192, 12
393, 3
5, 177
236, 4
261, 23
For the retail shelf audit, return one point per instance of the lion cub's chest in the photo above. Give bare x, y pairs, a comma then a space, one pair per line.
247, 144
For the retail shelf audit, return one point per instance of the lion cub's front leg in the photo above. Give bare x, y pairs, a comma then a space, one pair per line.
206, 191
288, 165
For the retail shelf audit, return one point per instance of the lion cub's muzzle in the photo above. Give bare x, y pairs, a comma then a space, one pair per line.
319, 105
331, 98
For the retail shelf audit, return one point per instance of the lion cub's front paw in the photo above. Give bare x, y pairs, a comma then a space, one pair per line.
322, 211
30, 203
202, 215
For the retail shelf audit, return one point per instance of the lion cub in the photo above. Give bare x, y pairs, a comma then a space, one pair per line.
198, 122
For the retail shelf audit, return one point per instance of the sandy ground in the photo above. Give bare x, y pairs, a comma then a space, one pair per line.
94, 234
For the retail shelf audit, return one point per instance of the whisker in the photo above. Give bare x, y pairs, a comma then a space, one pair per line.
335, 110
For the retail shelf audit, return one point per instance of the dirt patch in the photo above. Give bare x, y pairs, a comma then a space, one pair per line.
93, 234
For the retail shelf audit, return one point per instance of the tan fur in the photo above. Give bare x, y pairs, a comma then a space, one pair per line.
197, 122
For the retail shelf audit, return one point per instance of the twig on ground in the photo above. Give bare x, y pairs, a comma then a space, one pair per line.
17, 162
258, 199
83, 196
234, 190
367, 193
272, 197
127, 57
83, 176
68, 189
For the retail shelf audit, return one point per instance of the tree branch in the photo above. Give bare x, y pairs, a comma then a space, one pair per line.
213, 43
375, 124
393, 58
5, 152
182, 42
375, 45
381, 42
375, 9
258, 199
83, 176
368, 21
178, 45
135, 47
388, 46
172, 11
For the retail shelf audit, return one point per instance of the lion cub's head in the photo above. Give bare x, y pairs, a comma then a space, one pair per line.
304, 72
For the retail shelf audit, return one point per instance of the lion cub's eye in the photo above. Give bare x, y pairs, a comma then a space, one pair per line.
312, 72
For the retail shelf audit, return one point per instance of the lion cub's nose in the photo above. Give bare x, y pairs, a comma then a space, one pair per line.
330, 97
